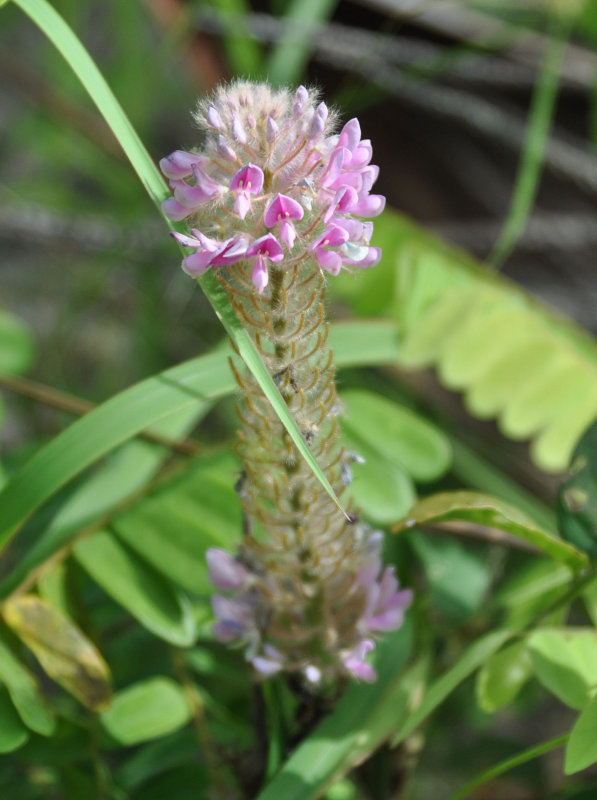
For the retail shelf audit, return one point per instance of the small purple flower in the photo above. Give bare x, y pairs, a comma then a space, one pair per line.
179, 164
234, 618
270, 663
248, 180
209, 252
281, 210
225, 572
324, 249
355, 663
266, 248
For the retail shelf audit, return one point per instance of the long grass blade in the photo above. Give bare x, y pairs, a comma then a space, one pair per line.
60, 34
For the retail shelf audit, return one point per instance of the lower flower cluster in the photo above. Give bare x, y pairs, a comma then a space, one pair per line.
243, 614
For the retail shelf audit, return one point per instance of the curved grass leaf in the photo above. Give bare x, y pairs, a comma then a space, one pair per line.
137, 587
152, 401
146, 710
62, 650
504, 766
54, 27
480, 509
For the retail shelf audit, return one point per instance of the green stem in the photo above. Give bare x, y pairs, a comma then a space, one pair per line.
510, 763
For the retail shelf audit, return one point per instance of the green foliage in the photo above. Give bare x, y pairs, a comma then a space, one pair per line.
146, 710
581, 750
115, 513
489, 512
577, 498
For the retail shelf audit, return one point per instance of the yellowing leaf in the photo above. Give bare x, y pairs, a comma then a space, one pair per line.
61, 648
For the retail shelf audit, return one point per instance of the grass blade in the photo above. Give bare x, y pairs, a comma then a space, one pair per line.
529, 169
56, 29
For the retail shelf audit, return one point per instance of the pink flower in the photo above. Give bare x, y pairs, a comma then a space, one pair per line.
266, 248
355, 663
280, 211
248, 180
209, 252
324, 249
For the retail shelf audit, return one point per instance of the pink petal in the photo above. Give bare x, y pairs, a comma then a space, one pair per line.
179, 164
225, 572
260, 276
242, 204
350, 134
248, 179
268, 246
174, 210
282, 207
370, 206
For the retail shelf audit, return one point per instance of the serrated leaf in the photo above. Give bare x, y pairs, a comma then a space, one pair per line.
147, 710
62, 650
581, 750
480, 509
13, 733
136, 586
502, 676
564, 661
24, 692
396, 433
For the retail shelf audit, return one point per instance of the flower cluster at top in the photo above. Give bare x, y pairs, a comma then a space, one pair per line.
273, 184
239, 617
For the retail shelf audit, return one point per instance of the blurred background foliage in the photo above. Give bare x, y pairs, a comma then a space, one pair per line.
483, 117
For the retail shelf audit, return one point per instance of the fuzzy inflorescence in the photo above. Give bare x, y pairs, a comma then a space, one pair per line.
275, 200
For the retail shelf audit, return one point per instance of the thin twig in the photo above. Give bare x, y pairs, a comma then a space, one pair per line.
54, 398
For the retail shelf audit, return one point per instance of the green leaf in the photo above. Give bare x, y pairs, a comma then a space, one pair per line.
564, 661
186, 388
397, 434
13, 733
24, 692
581, 750
16, 345
380, 488
577, 497
173, 528
147, 710
86, 71
480, 509
63, 651
363, 718
472, 658
502, 676
459, 579
137, 587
